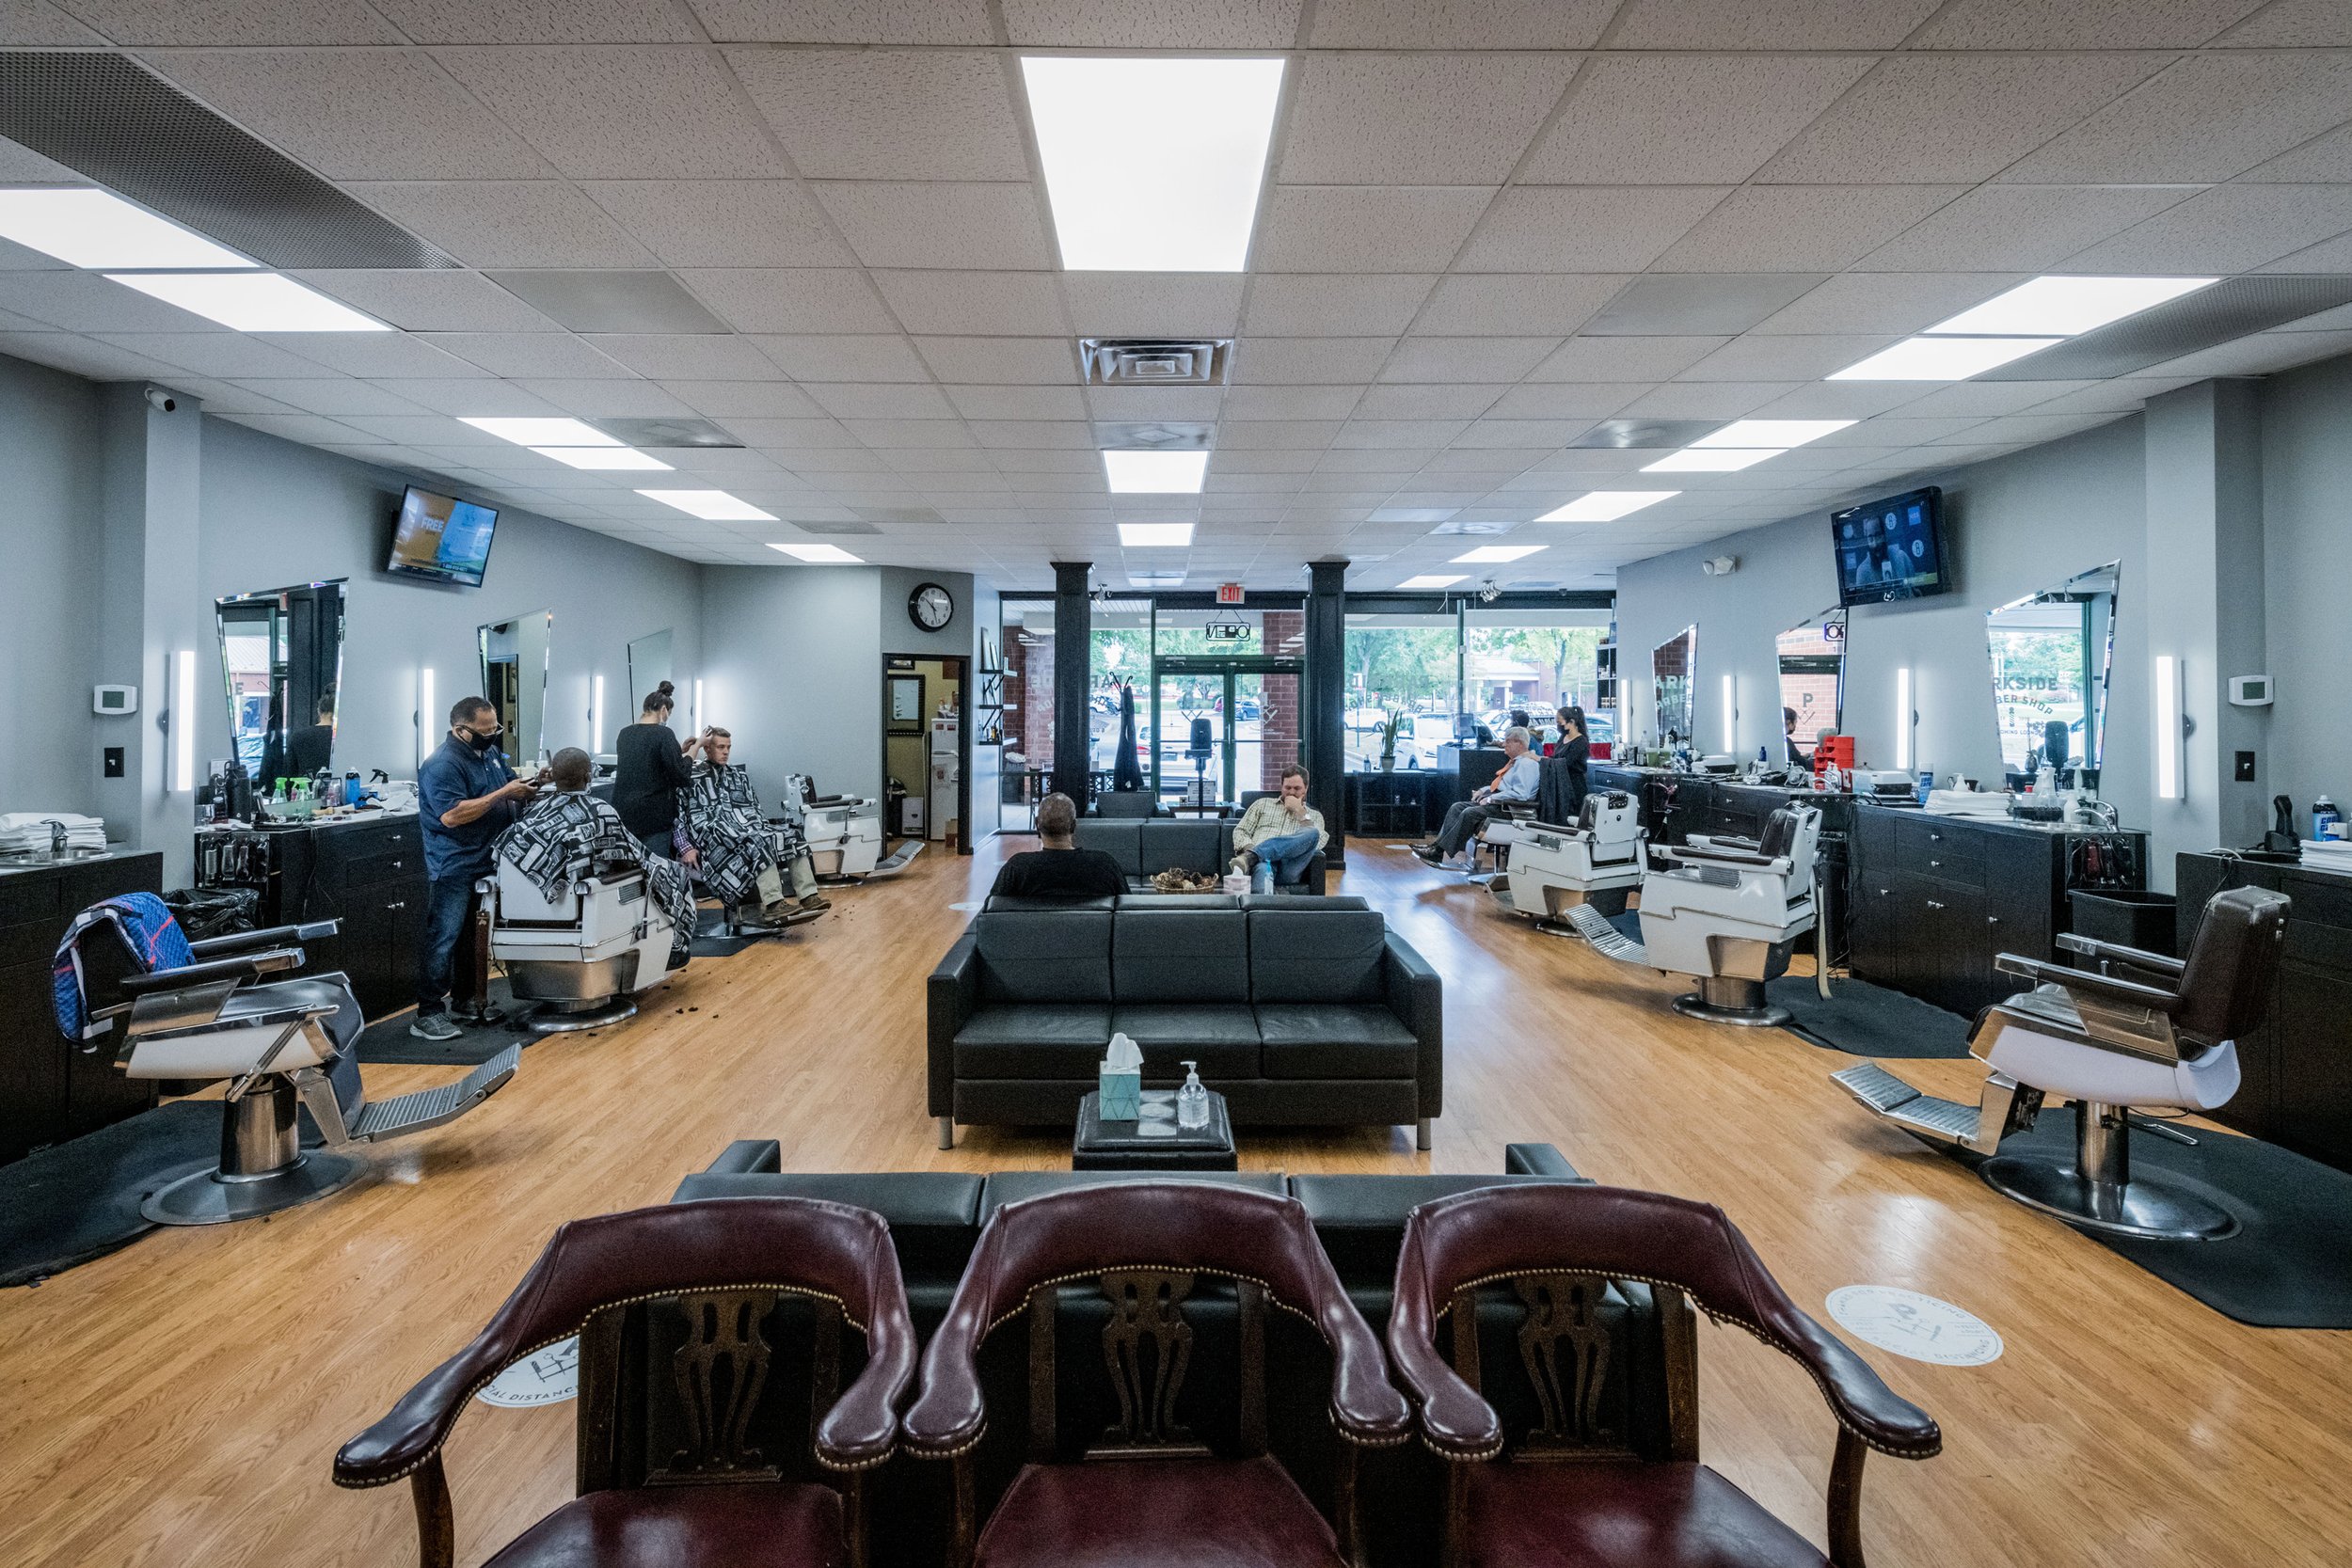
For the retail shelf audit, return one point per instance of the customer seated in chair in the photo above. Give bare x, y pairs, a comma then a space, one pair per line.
1061, 869
568, 834
1465, 820
1278, 835
723, 833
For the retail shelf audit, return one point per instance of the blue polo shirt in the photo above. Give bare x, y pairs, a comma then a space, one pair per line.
454, 774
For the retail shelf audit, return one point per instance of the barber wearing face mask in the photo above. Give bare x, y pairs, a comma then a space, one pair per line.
466, 797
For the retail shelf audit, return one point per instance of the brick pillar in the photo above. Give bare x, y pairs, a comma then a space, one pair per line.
1280, 726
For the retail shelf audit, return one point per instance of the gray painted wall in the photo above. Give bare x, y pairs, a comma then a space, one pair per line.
2307, 542
51, 540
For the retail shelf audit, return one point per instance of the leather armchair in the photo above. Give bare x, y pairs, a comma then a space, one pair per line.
1589, 1480
1163, 1485
740, 1270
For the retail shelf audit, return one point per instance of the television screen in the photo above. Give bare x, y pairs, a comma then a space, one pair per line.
442, 538
1892, 549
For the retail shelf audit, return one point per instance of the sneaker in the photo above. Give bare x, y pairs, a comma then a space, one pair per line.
1429, 854
488, 1018
435, 1026
816, 901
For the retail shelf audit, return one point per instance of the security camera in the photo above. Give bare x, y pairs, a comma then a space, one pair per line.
1719, 565
160, 400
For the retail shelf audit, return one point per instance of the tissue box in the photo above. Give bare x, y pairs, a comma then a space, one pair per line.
1121, 1093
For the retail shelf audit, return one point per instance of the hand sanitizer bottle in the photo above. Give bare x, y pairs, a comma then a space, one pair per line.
1192, 1101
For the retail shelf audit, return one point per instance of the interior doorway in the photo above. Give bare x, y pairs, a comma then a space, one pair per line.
926, 745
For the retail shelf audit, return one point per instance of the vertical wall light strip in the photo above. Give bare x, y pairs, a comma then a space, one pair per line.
2170, 779
1904, 718
426, 728
595, 711
698, 705
1731, 719
184, 720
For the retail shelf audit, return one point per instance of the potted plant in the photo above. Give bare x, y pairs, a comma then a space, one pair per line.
1389, 729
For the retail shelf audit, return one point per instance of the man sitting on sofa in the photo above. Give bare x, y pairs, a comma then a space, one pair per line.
1465, 819
569, 834
1279, 835
723, 834
1061, 869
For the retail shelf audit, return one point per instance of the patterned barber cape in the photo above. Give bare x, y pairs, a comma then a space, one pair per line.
721, 813
566, 838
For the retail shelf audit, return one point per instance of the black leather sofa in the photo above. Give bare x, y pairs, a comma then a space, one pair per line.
1300, 1013
1145, 847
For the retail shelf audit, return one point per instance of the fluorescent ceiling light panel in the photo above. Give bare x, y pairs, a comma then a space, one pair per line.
1156, 580
1606, 506
541, 432
1152, 165
1430, 581
1155, 473
98, 229
601, 457
1493, 554
1941, 358
712, 506
1779, 435
1708, 460
251, 301
820, 555
2069, 305
1155, 536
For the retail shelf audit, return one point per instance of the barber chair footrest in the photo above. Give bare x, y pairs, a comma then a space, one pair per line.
1940, 1121
209, 1197
1610, 942
379, 1119
895, 862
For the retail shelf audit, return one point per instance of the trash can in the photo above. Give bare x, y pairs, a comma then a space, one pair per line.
213, 911
2142, 920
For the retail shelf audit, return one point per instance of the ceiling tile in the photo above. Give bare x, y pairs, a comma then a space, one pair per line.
992, 304
221, 353
1671, 119
1505, 304
1842, 400
2021, 227
761, 299
507, 223
1463, 400
2322, 159
1035, 435
600, 399
723, 223
1625, 358
2328, 256
1760, 358
1781, 24
541, 21
1666, 303
1341, 228
297, 427
1418, 119
1000, 361
1039, 460
2225, 229
1966, 398
432, 301
942, 224
1585, 227
1290, 403
2081, 24
529, 354
1017, 402
2294, 24
888, 114
1802, 228
863, 400
88, 357
687, 356
1325, 305
765, 400
1154, 405
479, 396
86, 302
1566, 400
643, 113
1153, 23
1459, 23
2259, 354
38, 23
249, 21
1466, 358
910, 432
1884, 302
1490, 436
860, 356
1706, 400
1289, 361
1277, 434
845, 20
2208, 118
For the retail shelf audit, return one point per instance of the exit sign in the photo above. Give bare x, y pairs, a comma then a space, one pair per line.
1229, 592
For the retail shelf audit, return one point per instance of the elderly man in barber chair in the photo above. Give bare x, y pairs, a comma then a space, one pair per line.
723, 833
1466, 819
568, 834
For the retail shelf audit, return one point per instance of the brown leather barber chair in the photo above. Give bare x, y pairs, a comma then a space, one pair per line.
1586, 1468
696, 1446
1184, 1277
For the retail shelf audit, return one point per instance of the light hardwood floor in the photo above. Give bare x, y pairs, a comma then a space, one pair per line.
178, 1402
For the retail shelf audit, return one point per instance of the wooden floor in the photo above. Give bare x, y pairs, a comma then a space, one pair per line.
178, 1402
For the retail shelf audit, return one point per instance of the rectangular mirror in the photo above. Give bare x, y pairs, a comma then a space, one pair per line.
1674, 667
2051, 652
515, 679
648, 667
281, 653
1812, 660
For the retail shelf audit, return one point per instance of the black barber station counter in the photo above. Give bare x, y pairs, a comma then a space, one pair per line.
50, 1089
367, 871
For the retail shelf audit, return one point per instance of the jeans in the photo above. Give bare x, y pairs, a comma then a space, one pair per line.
447, 945
1463, 821
1282, 860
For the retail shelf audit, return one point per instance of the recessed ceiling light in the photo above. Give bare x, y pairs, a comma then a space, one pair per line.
1432, 580
541, 432
1708, 460
98, 229
601, 457
2069, 305
1156, 580
1155, 473
1941, 358
1152, 165
1490, 554
818, 555
715, 506
1155, 535
252, 301
1779, 435
1606, 506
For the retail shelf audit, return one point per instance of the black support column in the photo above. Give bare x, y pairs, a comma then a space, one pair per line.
1074, 640
1323, 737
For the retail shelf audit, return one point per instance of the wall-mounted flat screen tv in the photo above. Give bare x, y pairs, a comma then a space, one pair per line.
442, 538
1892, 549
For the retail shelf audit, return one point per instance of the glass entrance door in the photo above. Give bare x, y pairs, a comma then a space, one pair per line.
1222, 726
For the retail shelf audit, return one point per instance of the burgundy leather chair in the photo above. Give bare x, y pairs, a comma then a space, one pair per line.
707, 1299
1600, 1476
1164, 1483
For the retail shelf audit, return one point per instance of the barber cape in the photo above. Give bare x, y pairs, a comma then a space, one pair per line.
724, 823
570, 836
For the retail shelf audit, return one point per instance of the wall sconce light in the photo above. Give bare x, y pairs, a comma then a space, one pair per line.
183, 720
1906, 717
1731, 719
2171, 778
698, 705
427, 729
595, 711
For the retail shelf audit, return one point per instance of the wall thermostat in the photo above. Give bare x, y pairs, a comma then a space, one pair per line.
2249, 690
114, 699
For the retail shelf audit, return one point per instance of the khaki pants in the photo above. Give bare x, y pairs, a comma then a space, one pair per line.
803, 880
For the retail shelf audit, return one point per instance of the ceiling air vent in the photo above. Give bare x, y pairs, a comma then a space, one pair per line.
1154, 361
1153, 435
668, 433
2206, 319
834, 526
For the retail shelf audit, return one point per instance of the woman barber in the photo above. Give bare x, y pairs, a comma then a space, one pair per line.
654, 766
1576, 745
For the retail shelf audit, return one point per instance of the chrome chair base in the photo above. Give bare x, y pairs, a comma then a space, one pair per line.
555, 1018
2153, 1210
1723, 999
215, 1197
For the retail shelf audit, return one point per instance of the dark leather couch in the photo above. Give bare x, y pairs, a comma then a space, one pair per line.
1145, 847
1300, 1013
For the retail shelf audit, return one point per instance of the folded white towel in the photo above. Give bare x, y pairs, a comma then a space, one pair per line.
1967, 803
23, 831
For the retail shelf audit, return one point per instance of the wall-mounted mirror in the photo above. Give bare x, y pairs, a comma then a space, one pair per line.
648, 667
282, 654
1674, 667
1812, 661
2051, 654
515, 679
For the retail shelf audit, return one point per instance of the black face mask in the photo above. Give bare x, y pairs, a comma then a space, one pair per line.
481, 742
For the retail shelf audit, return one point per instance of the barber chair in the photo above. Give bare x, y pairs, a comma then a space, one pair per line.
1725, 913
1511, 820
1595, 863
2114, 1046
1581, 1461
1186, 1272
582, 957
845, 834
279, 1044
706, 1338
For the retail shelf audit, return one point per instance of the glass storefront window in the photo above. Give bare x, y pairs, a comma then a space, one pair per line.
1404, 666
1536, 662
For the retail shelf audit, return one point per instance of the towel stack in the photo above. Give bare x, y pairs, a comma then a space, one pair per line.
2328, 854
1969, 802
25, 832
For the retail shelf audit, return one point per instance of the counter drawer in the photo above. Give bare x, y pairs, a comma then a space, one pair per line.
1928, 847
403, 866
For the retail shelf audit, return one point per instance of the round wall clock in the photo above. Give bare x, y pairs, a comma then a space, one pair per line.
931, 607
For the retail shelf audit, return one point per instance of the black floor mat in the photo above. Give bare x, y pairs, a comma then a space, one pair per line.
387, 1040
2290, 1264
79, 1200
709, 941
1627, 924
1864, 1019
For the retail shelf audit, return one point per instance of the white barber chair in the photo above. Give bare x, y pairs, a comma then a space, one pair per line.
582, 957
278, 1044
1553, 869
844, 834
2113, 1046
1725, 913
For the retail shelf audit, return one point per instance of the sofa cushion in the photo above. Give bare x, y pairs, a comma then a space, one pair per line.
1221, 1037
1280, 900
1314, 953
1204, 848
1180, 955
1360, 1219
934, 1215
1334, 1040
1138, 899
1034, 1039
1044, 954
1118, 837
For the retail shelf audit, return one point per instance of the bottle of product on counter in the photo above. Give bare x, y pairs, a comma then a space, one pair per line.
2324, 817
1192, 1101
